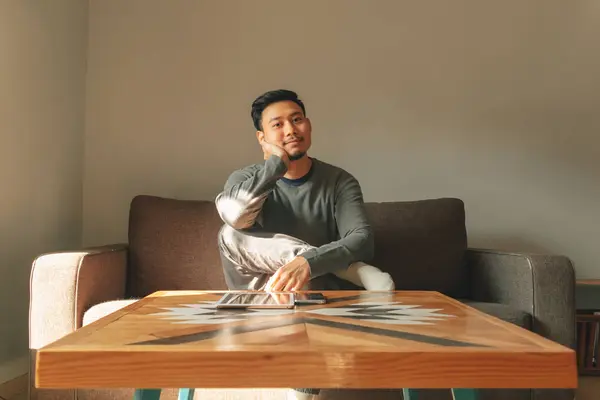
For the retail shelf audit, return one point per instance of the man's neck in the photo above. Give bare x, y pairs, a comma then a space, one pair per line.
299, 168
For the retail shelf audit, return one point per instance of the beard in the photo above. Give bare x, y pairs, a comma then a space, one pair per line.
297, 156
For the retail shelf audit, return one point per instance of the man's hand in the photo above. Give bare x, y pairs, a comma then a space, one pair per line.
292, 276
269, 148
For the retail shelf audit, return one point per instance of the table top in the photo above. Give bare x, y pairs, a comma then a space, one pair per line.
359, 339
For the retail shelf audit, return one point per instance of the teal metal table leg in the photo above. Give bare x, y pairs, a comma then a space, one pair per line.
146, 394
409, 394
186, 394
464, 394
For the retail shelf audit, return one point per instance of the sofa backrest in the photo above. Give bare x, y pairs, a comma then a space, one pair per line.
173, 245
422, 244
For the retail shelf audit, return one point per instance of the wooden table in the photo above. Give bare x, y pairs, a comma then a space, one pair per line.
358, 340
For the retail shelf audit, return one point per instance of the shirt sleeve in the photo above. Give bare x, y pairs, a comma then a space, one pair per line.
245, 192
356, 241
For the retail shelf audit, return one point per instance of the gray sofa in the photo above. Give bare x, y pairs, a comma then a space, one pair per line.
422, 244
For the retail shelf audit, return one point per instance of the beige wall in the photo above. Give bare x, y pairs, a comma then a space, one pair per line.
497, 103
42, 67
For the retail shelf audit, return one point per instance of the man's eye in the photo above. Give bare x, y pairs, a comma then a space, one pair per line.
277, 125
296, 120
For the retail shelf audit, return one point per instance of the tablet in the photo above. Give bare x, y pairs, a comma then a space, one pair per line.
256, 300
310, 298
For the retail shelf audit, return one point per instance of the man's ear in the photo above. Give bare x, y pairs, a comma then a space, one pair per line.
260, 135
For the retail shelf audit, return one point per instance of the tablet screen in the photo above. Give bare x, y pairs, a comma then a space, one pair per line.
257, 300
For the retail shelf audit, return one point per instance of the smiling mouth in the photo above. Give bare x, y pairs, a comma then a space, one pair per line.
294, 141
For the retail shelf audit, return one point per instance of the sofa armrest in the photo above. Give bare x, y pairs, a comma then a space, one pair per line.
542, 285
64, 285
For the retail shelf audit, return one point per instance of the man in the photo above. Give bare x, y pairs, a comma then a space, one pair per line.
293, 218
294, 222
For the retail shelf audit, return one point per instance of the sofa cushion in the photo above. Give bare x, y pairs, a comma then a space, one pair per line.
503, 312
422, 244
173, 246
98, 311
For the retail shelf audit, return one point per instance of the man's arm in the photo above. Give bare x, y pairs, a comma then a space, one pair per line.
356, 241
245, 193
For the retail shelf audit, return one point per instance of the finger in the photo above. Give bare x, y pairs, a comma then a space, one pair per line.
277, 273
269, 285
266, 145
279, 298
280, 283
275, 298
278, 286
290, 285
272, 280
300, 284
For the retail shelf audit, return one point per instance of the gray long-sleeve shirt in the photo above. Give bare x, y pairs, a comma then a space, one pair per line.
325, 208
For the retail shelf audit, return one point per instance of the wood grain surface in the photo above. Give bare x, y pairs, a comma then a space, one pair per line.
358, 340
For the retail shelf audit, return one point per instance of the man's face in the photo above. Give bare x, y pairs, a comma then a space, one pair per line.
284, 125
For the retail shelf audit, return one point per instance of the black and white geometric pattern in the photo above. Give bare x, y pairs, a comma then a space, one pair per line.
394, 313
207, 313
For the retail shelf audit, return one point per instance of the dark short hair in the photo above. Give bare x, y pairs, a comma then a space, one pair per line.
268, 98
